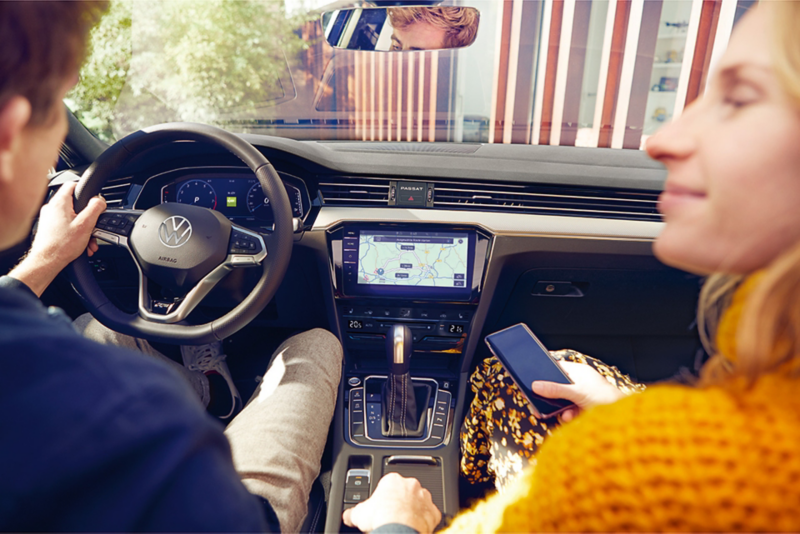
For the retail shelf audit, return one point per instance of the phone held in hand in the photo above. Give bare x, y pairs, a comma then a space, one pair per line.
527, 360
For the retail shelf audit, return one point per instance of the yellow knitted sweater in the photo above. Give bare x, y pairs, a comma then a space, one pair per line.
672, 458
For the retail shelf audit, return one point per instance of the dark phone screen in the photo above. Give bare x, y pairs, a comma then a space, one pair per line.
527, 360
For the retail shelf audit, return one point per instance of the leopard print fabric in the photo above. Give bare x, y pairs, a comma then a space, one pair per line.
500, 435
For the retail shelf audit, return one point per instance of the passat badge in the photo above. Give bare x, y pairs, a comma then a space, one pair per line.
175, 231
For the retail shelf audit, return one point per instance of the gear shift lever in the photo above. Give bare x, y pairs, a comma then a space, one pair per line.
404, 404
398, 349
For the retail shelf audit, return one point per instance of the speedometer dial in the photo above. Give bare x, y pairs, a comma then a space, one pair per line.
197, 193
258, 204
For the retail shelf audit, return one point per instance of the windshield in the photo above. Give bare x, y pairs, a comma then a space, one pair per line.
595, 73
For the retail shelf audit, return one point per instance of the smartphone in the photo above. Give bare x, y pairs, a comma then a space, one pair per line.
527, 360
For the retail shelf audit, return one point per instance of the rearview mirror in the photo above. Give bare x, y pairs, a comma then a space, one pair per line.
401, 28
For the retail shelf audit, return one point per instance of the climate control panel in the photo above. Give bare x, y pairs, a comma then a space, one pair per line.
431, 327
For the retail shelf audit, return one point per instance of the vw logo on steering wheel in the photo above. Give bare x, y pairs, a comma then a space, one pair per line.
175, 231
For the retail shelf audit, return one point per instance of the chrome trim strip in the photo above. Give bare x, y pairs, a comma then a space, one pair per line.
543, 208
499, 224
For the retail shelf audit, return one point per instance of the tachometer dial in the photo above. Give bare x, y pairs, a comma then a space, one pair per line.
258, 204
197, 193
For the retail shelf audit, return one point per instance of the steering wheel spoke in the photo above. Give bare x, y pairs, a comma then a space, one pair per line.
115, 226
246, 249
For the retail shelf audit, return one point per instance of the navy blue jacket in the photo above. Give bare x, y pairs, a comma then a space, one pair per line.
98, 438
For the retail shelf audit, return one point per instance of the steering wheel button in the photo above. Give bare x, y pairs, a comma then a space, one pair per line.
242, 260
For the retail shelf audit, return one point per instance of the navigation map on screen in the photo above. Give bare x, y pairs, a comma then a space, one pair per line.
435, 259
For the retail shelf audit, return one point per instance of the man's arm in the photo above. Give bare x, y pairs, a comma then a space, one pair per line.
62, 236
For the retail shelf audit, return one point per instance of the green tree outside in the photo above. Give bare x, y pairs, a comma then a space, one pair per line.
155, 61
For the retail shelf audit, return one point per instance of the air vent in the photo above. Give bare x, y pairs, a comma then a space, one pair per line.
68, 158
115, 191
572, 201
550, 200
349, 191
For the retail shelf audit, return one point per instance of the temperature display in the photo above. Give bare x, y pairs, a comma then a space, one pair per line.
355, 324
456, 328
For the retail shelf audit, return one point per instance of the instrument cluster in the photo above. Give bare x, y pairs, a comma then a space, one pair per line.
237, 195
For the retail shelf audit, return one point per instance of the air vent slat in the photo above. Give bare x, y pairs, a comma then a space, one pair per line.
115, 191
573, 201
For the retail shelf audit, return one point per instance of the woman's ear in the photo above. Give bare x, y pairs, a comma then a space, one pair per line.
14, 116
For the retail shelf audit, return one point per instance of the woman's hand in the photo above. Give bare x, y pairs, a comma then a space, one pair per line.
589, 389
395, 500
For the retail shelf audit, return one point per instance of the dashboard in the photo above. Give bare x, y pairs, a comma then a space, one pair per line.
234, 192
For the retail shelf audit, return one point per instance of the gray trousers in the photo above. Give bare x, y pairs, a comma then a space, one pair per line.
278, 438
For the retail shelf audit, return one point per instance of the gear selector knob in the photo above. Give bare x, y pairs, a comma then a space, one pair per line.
398, 349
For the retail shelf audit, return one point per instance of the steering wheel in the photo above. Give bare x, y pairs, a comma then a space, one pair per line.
184, 249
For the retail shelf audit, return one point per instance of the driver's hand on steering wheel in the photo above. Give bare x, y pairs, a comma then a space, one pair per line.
61, 237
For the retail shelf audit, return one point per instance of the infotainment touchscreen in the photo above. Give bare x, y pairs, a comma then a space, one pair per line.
411, 263
413, 260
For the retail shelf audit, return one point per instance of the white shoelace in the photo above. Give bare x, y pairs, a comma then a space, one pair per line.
206, 362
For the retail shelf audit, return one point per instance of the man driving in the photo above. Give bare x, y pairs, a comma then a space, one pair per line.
100, 438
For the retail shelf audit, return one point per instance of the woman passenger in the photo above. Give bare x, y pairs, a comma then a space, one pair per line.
723, 455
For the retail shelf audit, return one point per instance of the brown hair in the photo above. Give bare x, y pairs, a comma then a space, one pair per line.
460, 23
42, 45
768, 333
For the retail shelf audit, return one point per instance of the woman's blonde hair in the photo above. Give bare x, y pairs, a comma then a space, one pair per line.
768, 334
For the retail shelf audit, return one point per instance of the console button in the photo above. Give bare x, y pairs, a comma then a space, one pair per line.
356, 495
357, 417
358, 405
356, 394
358, 430
438, 419
425, 313
357, 482
405, 312
437, 431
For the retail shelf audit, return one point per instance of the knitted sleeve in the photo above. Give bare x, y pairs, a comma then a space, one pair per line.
671, 458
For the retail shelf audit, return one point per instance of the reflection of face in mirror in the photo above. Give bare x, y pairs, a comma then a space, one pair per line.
432, 28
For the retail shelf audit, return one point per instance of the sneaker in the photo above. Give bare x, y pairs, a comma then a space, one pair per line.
209, 360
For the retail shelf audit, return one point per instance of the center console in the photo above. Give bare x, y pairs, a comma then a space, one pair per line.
406, 296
